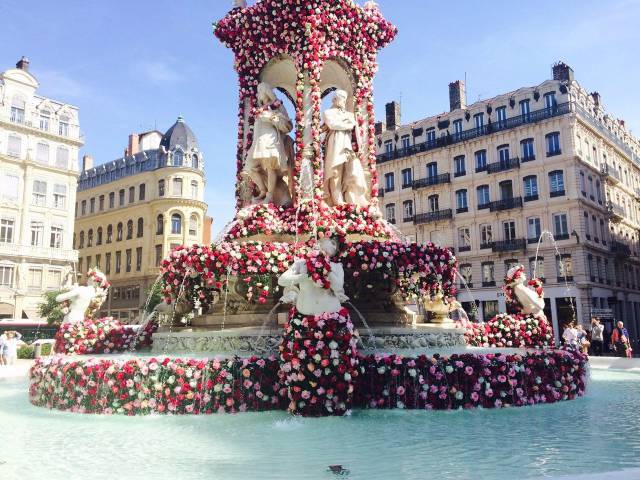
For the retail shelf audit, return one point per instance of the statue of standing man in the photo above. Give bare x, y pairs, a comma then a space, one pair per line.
344, 179
271, 153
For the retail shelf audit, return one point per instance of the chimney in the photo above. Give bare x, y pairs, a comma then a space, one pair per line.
562, 72
380, 127
134, 145
457, 96
23, 64
596, 98
393, 115
87, 162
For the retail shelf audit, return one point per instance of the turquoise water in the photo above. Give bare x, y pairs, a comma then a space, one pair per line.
598, 433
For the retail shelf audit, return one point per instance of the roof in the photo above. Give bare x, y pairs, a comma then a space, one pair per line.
179, 135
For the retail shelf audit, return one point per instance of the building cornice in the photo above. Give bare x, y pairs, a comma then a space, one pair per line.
32, 163
30, 130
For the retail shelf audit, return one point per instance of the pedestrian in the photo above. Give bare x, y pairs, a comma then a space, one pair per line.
597, 337
570, 335
620, 340
582, 340
10, 347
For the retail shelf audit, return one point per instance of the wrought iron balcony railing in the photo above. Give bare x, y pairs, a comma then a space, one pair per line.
509, 245
504, 165
505, 204
432, 180
436, 216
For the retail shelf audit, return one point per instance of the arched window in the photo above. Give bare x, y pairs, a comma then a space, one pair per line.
161, 188
17, 109
99, 237
160, 225
195, 163
110, 234
81, 240
129, 229
194, 189
193, 225
119, 232
90, 238
140, 227
176, 223
178, 158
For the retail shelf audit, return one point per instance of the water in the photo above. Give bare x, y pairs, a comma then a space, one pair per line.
594, 434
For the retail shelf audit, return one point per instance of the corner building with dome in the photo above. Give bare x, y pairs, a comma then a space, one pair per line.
132, 211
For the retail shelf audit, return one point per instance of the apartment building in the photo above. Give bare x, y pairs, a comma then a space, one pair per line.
39, 143
132, 211
488, 179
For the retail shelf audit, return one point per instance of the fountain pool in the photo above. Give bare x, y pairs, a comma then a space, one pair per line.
596, 433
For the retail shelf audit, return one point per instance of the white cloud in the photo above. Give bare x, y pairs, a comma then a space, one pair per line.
159, 72
61, 86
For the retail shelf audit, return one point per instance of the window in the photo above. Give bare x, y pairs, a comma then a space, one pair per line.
550, 102
42, 153
483, 196
107, 263
92, 205
583, 186
406, 144
56, 236
553, 144
127, 256
590, 183
560, 226
119, 232
140, 229
99, 236
432, 170
461, 201
388, 149
599, 269
503, 154
598, 192
14, 146
158, 255
177, 186
587, 226
530, 184
90, 238
98, 261
37, 233
129, 229
459, 166
121, 198
509, 230
84, 207
118, 261
17, 109
528, 152
195, 163
81, 245
34, 278
603, 233
45, 118
536, 267
407, 209
62, 157
391, 212
194, 189
159, 225
457, 128
501, 116
434, 203
109, 233
193, 225
478, 120
466, 272
389, 182
138, 259
59, 196
176, 223
39, 197
178, 158
525, 110
142, 191
10, 185
488, 277
6, 275
464, 239
533, 229
481, 160
406, 178
556, 183
486, 236
132, 194
6, 230
80, 265
63, 126
431, 137
564, 267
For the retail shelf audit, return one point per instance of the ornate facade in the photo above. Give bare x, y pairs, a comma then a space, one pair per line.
489, 178
39, 143
132, 211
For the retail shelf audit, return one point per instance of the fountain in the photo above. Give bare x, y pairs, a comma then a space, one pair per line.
309, 232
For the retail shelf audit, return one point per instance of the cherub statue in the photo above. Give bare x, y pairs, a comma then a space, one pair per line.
530, 301
312, 292
84, 301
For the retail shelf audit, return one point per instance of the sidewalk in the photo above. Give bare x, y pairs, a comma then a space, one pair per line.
617, 363
19, 370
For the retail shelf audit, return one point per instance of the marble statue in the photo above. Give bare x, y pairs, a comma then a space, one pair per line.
344, 178
311, 299
529, 300
270, 157
84, 300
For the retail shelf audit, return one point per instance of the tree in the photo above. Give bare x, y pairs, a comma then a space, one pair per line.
50, 309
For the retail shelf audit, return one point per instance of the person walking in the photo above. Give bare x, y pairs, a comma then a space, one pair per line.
597, 337
9, 347
620, 340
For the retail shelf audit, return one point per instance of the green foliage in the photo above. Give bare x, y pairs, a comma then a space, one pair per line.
154, 296
50, 309
27, 352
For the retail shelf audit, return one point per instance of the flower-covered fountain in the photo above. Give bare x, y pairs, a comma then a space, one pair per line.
308, 233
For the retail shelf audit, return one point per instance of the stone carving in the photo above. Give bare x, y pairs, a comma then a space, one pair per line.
84, 301
344, 179
530, 301
271, 154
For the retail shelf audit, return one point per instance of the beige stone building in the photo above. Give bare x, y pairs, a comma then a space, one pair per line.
488, 179
132, 211
39, 143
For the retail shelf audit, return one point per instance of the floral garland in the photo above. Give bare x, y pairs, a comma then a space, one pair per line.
102, 286
318, 268
145, 385
104, 335
319, 363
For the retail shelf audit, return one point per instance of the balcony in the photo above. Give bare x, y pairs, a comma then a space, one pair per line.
620, 249
503, 165
432, 180
505, 204
41, 253
530, 158
615, 211
470, 134
460, 173
430, 217
509, 245
610, 174
557, 193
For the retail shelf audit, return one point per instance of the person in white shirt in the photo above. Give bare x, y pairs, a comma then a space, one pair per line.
9, 347
570, 335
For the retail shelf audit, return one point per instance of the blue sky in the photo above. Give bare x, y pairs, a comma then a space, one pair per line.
137, 65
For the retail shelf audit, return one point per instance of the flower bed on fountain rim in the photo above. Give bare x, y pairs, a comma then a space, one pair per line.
145, 385
199, 272
104, 335
504, 330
